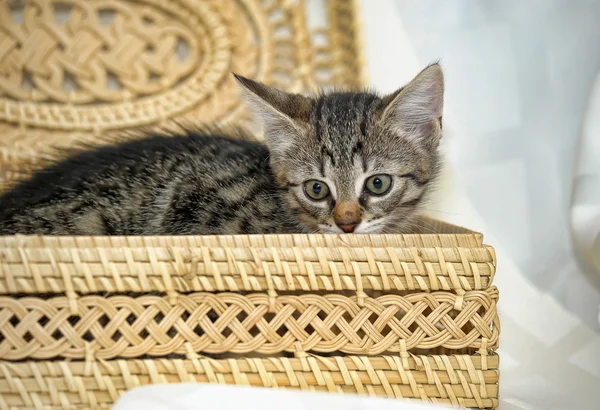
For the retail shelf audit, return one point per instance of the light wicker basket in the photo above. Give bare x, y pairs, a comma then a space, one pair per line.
84, 319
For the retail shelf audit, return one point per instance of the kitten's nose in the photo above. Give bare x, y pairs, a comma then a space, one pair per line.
347, 216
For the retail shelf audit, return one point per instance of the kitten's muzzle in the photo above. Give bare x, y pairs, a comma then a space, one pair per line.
347, 216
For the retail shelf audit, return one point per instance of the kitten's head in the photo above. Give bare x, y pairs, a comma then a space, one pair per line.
353, 161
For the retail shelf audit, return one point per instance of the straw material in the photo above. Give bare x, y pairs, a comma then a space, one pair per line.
124, 326
245, 263
423, 298
459, 380
72, 70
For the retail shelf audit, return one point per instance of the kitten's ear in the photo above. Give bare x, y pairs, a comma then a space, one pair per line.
284, 116
416, 110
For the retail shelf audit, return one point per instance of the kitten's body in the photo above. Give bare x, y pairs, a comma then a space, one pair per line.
188, 184
340, 162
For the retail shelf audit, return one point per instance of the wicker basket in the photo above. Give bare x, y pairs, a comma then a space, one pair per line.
84, 319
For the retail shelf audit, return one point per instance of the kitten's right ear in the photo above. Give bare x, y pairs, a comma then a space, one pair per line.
416, 109
284, 116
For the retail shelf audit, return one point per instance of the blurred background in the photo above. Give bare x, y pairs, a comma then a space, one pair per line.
519, 77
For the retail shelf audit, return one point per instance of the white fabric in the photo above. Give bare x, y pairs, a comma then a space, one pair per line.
218, 397
585, 207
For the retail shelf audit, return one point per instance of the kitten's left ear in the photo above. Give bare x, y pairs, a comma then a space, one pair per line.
416, 110
284, 115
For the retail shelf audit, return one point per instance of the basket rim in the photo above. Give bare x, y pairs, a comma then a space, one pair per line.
449, 232
269, 263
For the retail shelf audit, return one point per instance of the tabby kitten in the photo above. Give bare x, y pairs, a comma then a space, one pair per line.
334, 163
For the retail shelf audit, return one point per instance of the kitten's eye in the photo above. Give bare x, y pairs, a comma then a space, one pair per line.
378, 184
316, 190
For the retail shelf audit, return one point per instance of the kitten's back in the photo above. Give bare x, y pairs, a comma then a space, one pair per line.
159, 184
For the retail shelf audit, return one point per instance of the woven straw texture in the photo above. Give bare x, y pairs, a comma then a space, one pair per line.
73, 70
123, 326
84, 319
460, 380
245, 263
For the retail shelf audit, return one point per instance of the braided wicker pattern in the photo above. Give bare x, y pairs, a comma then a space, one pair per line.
116, 65
124, 326
139, 46
249, 263
137, 49
461, 380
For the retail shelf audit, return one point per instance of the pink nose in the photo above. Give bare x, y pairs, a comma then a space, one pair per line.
348, 228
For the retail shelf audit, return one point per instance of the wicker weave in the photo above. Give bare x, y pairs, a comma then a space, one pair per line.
124, 326
84, 319
460, 380
71, 70
424, 301
244, 263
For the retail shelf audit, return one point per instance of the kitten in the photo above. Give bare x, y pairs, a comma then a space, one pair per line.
334, 163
